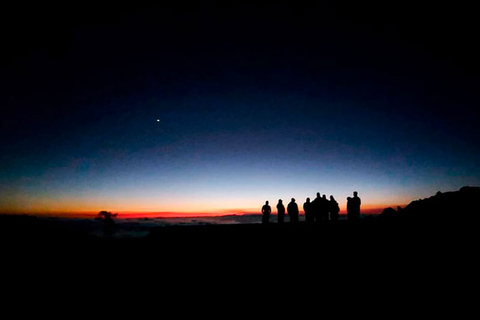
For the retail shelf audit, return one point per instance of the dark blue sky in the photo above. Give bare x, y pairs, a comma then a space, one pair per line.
254, 102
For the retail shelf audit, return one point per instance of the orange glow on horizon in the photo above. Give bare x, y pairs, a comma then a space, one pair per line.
130, 214
90, 205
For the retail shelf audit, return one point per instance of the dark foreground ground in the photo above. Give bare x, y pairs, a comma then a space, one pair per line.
244, 265
372, 240
413, 262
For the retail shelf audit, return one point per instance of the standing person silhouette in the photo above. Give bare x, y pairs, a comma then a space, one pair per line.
324, 208
292, 209
280, 211
266, 210
316, 207
349, 208
356, 202
307, 208
334, 209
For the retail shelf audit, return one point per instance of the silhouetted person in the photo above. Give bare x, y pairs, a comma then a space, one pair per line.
349, 208
266, 210
307, 208
353, 207
280, 211
324, 208
356, 202
334, 209
316, 207
292, 210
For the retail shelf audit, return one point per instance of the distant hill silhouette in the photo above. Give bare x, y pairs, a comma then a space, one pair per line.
455, 206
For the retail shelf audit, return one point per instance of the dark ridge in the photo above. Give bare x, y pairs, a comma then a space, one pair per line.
448, 207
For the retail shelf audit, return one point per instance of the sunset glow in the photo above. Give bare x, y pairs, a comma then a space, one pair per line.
166, 112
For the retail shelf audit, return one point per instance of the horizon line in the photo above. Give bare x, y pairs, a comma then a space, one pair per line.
161, 214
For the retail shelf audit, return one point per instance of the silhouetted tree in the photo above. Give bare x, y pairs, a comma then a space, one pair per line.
109, 224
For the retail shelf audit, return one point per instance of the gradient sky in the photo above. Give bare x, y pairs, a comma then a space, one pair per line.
255, 103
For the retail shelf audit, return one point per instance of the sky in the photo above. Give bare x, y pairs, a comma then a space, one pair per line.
207, 108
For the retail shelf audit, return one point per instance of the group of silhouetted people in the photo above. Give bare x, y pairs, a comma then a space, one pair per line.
316, 211
353, 207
